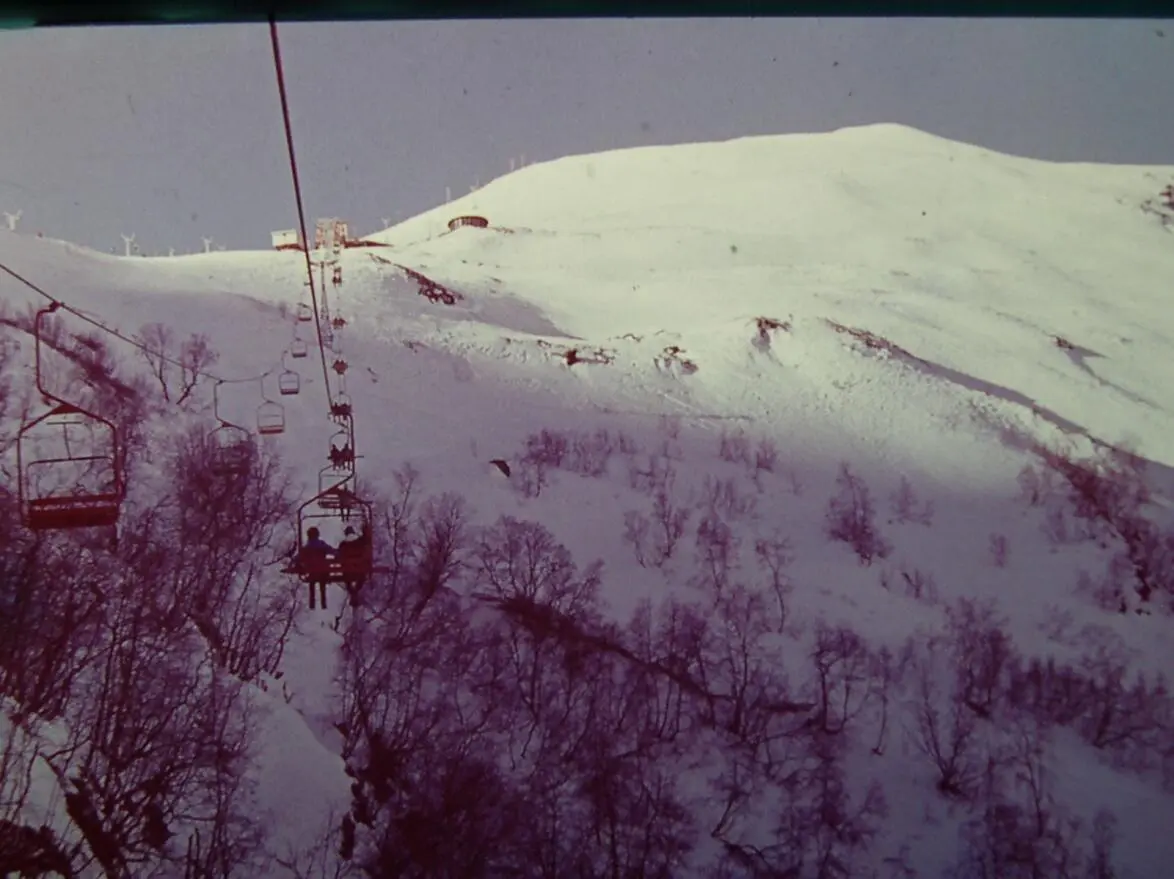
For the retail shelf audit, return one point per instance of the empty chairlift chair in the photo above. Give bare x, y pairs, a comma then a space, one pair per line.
289, 382
270, 415
70, 474
232, 450
270, 418
69, 462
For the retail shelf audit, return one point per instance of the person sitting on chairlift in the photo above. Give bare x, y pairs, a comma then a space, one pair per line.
353, 553
313, 559
343, 457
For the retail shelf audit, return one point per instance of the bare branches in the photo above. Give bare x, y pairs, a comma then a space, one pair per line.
177, 368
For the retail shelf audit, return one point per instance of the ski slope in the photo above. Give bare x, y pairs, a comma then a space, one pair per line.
660, 261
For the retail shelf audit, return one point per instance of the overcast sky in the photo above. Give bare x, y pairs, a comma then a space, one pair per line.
173, 133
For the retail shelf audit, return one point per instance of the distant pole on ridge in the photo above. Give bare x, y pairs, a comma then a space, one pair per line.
207, 244
12, 219
129, 241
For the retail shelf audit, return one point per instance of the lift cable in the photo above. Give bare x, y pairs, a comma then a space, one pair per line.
293, 167
64, 306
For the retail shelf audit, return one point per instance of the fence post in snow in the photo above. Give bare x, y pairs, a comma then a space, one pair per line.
12, 219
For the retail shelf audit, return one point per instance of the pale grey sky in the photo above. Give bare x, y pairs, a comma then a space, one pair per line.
175, 132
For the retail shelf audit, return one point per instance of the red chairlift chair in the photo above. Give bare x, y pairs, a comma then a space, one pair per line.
298, 348
305, 313
97, 486
289, 382
270, 418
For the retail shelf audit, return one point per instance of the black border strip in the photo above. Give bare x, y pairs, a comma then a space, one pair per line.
56, 13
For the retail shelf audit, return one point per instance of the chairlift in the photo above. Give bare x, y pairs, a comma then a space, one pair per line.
305, 313
232, 450
341, 409
352, 568
289, 382
232, 445
336, 478
61, 488
336, 276
270, 418
342, 450
339, 366
298, 348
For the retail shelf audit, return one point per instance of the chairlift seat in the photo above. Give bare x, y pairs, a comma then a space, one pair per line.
338, 569
298, 348
305, 313
73, 511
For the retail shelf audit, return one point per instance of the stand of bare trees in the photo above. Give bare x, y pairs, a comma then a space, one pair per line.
124, 670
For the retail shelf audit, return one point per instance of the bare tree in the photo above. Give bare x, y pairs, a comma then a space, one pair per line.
774, 555
851, 518
944, 728
177, 369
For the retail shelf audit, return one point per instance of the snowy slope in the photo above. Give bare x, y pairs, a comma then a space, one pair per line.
969, 263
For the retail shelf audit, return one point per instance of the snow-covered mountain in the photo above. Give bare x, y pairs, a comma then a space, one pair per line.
742, 319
